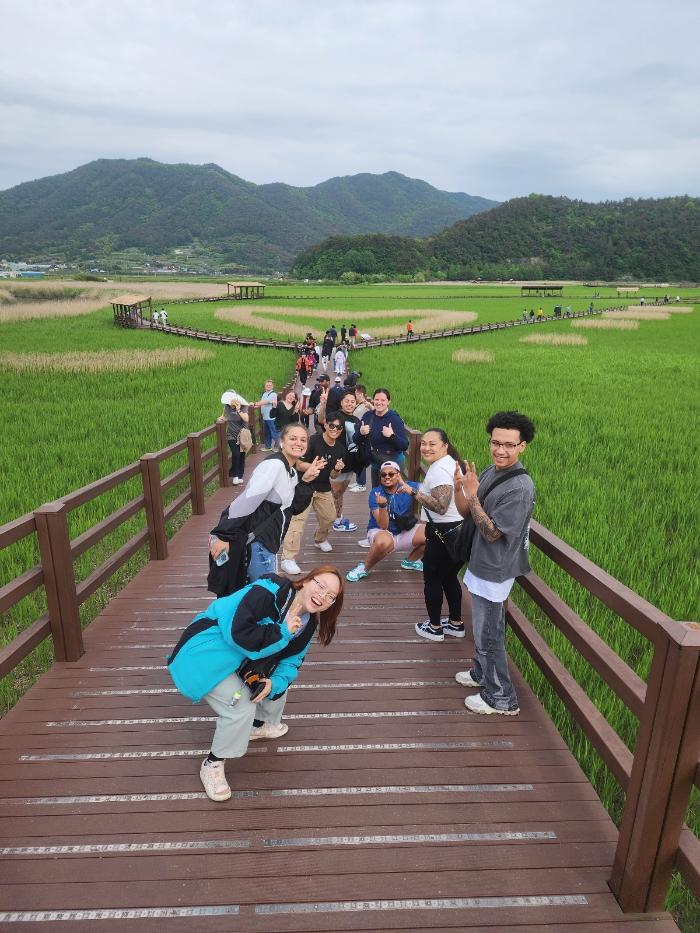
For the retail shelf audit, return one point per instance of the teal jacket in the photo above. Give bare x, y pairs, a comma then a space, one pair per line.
249, 623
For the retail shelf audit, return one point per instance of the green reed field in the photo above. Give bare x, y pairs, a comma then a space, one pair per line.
614, 460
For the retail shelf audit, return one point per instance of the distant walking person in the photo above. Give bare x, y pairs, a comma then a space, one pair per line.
500, 501
409, 330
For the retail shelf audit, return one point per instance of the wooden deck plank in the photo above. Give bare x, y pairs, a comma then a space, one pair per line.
422, 813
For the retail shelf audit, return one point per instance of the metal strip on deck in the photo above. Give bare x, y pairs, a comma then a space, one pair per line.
386, 806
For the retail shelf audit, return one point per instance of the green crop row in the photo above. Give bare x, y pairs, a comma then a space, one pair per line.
613, 460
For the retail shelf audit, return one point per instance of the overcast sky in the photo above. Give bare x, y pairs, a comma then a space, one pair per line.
499, 98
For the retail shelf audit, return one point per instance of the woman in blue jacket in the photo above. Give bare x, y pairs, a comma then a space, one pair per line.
381, 435
262, 630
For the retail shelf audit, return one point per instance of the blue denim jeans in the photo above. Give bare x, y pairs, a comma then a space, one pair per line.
261, 561
270, 432
490, 666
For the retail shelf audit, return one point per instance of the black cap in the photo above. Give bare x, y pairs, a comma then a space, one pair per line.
323, 378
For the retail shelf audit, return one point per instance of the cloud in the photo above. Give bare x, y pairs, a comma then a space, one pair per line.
498, 99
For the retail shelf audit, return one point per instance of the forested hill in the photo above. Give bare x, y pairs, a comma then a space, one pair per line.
116, 204
532, 238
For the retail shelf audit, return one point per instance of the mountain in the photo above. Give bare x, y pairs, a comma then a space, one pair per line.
112, 205
532, 238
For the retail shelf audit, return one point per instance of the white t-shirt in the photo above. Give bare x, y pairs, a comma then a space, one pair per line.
441, 473
494, 592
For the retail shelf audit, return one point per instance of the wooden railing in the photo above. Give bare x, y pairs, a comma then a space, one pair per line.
659, 776
417, 336
58, 553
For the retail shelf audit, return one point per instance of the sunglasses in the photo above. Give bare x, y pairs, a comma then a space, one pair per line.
388, 475
334, 427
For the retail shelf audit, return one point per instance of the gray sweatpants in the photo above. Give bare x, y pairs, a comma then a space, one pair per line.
234, 723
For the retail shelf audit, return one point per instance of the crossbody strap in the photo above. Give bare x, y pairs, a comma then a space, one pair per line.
501, 479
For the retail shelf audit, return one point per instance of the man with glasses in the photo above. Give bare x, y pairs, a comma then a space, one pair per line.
500, 502
328, 446
392, 524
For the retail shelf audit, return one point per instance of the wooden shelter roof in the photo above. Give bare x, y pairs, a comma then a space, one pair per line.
244, 284
130, 300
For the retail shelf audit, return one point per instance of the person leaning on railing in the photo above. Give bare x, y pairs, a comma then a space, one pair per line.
242, 653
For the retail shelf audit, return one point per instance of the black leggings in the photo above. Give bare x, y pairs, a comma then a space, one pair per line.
440, 576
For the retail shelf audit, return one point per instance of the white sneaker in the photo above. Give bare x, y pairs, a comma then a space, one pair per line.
475, 704
356, 487
268, 731
465, 679
364, 542
290, 566
236, 481
213, 777
324, 546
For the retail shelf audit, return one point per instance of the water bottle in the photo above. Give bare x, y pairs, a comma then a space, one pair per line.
222, 557
236, 697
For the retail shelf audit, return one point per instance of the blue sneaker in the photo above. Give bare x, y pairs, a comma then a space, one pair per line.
344, 524
357, 573
412, 565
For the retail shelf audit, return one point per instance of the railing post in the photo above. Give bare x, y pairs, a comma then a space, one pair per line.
665, 760
222, 447
194, 454
413, 453
59, 580
256, 427
153, 494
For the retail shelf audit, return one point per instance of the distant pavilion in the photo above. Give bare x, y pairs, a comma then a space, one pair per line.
244, 290
129, 309
542, 290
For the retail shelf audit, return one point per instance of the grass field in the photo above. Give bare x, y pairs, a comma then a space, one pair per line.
614, 460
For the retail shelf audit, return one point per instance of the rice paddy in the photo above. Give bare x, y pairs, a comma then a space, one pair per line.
112, 361
604, 324
380, 323
473, 356
612, 460
556, 340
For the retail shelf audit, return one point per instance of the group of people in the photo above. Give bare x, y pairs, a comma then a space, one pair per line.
160, 317
242, 653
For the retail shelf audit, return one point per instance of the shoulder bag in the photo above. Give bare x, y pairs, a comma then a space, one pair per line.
457, 541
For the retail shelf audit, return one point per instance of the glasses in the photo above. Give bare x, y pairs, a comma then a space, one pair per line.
506, 445
334, 427
387, 475
324, 592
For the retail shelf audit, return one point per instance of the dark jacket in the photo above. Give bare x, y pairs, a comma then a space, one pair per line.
257, 514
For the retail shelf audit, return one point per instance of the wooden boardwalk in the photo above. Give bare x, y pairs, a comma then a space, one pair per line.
386, 806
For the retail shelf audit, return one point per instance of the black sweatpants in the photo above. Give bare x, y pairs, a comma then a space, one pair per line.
440, 577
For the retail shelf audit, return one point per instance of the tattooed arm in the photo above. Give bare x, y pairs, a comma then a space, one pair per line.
484, 524
467, 502
437, 500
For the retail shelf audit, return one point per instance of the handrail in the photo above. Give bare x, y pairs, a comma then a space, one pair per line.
659, 776
56, 571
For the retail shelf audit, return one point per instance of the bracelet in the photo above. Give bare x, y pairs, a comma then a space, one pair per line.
381, 506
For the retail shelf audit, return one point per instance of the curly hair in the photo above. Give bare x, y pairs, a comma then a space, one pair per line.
512, 421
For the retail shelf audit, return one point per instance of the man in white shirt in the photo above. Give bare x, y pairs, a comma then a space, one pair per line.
500, 502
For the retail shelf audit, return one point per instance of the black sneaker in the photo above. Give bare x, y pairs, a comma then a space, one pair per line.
456, 631
425, 630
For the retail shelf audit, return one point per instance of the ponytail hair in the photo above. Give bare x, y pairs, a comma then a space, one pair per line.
451, 449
